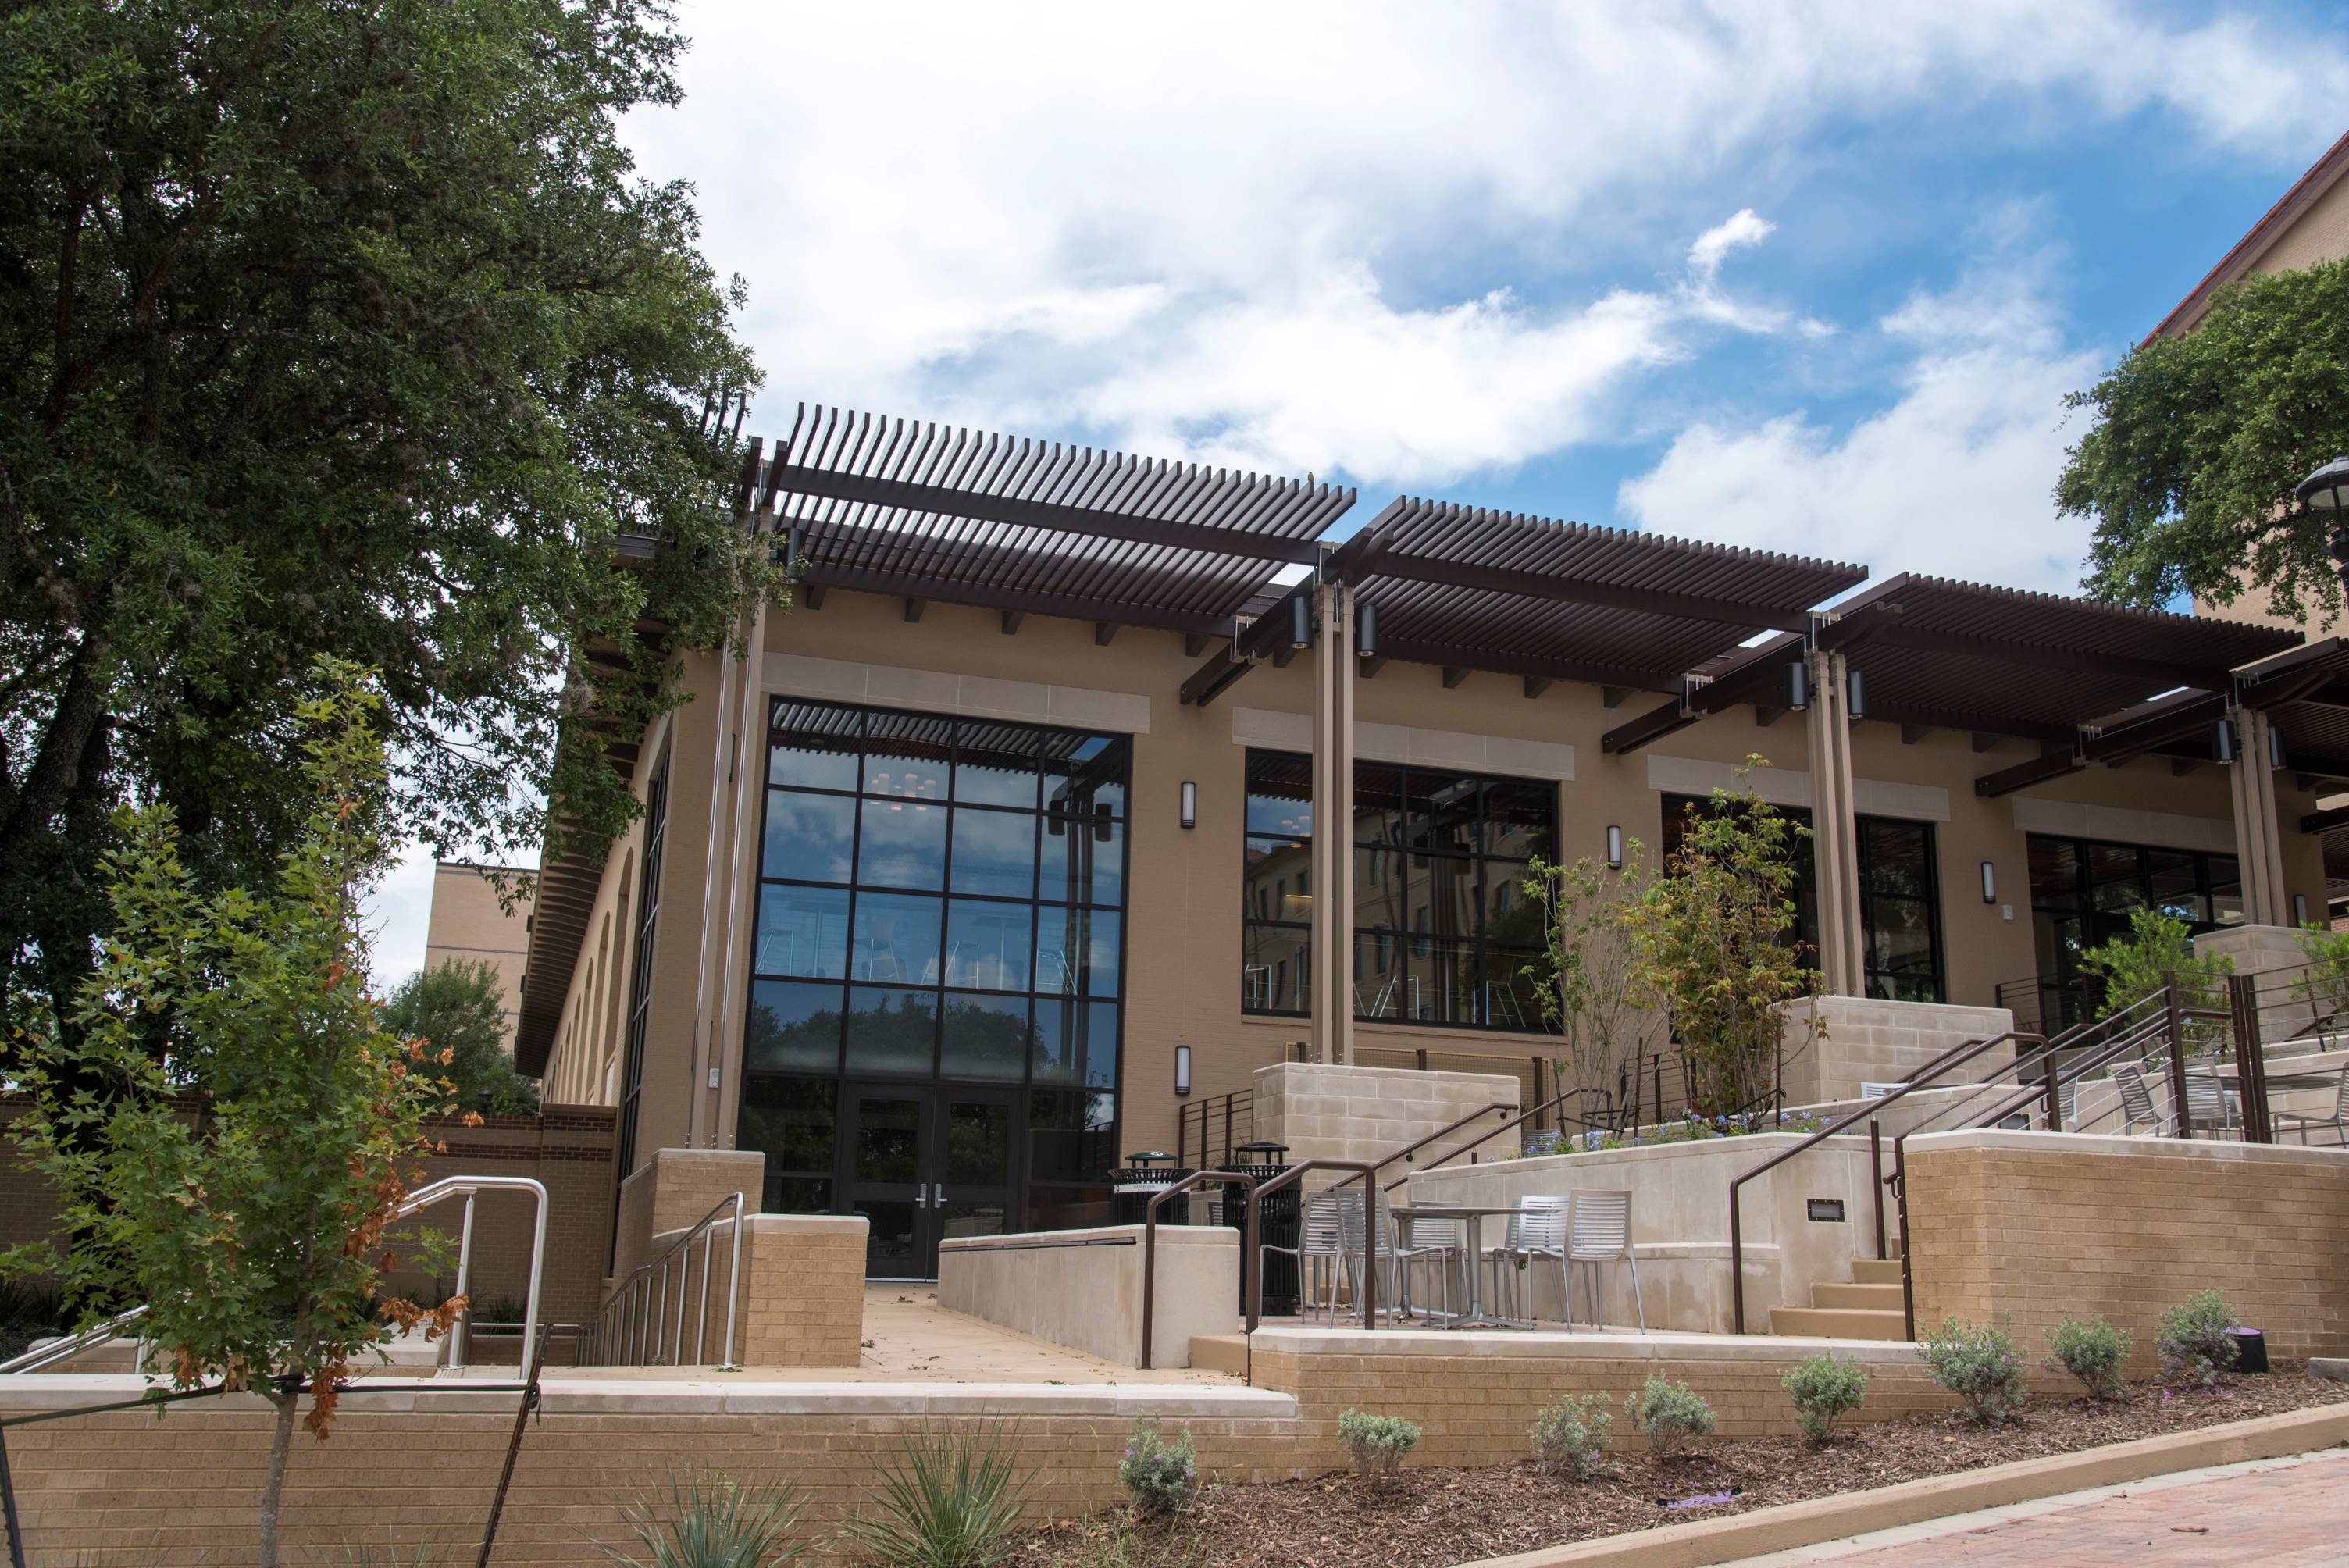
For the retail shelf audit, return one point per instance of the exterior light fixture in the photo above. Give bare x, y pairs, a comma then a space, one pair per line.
1366, 630
1798, 687
2222, 741
1614, 848
1102, 829
1301, 621
1989, 882
2300, 909
1190, 804
2275, 747
1855, 694
1182, 1069
2321, 491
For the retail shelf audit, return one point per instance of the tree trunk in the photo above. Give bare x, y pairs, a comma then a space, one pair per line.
272, 1487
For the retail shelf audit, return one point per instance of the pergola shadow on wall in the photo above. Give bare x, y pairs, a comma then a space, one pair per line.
1244, 568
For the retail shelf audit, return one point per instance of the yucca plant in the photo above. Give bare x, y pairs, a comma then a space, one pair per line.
427, 1554
709, 1522
950, 1500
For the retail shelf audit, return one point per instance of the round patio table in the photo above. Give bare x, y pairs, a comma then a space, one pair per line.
1473, 1215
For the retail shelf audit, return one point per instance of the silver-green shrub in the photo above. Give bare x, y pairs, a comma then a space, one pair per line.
1977, 1363
1668, 1414
1378, 1443
2193, 1342
1570, 1437
709, 1522
2092, 1351
1160, 1476
1824, 1390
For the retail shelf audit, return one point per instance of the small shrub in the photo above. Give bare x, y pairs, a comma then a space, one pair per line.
1668, 1414
1570, 1437
2193, 1342
708, 1522
951, 1499
1378, 1443
1160, 1476
1977, 1363
1823, 1390
2093, 1351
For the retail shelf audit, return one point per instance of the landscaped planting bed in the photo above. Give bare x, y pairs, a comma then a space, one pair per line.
1426, 1518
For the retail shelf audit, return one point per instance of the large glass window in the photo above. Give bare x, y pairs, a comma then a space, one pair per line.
640, 971
2083, 893
940, 901
1442, 928
1899, 899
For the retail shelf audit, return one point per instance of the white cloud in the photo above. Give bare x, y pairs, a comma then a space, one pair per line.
397, 914
1195, 225
1953, 477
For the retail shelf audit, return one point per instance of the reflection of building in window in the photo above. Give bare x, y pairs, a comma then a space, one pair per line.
1442, 930
2083, 893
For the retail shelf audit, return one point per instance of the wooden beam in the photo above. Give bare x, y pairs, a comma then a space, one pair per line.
2160, 672
2325, 822
2023, 775
1454, 674
1011, 619
1983, 742
1103, 631
1372, 666
1536, 686
1193, 644
813, 594
1283, 653
1653, 725
1612, 696
1911, 734
1764, 716
913, 608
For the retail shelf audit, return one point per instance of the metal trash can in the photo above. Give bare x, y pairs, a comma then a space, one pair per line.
1278, 1219
1142, 1177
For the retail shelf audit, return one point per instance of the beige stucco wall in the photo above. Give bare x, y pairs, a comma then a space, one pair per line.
1182, 928
469, 924
1679, 1222
1083, 1288
2036, 1225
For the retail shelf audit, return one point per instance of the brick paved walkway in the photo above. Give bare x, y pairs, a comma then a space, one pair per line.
2290, 1513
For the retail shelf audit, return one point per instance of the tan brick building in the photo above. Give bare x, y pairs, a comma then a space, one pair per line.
470, 924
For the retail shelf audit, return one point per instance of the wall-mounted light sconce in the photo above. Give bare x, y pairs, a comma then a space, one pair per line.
1301, 621
1182, 1069
2300, 909
1989, 882
2222, 741
1103, 828
1855, 694
1366, 630
1190, 804
1614, 848
2275, 747
1798, 687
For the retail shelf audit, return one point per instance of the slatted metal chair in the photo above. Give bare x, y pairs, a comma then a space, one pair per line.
1535, 1233
2338, 1120
1320, 1249
1599, 1232
2209, 1105
1443, 1241
2136, 1101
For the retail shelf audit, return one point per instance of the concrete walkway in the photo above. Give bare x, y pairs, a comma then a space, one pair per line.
2287, 1512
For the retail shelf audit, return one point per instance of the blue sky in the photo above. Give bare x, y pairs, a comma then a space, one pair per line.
1811, 277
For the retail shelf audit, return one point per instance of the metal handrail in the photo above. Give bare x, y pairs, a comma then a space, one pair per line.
642, 1305
1408, 1149
1367, 1170
424, 1197
1249, 1261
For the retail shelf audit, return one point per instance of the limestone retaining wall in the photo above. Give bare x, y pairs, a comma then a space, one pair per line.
1835, 1044
1083, 1288
1329, 1112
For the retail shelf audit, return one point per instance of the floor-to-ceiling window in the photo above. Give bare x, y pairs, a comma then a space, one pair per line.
2083, 892
938, 965
1899, 899
1443, 931
640, 965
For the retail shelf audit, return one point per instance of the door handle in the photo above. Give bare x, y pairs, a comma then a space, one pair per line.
938, 1195
922, 1195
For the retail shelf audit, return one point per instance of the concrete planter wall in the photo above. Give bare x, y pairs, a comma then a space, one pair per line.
1083, 1288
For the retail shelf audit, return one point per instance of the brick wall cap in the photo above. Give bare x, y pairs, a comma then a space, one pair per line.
1783, 1350
2090, 1145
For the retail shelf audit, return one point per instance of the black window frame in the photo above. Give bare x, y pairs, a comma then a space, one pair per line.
2069, 994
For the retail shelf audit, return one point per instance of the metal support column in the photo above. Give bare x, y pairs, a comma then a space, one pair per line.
2259, 837
1332, 967
1835, 848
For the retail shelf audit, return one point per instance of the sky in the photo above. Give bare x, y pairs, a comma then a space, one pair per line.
1806, 277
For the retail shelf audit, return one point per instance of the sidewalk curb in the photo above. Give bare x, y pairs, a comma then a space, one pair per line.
1824, 1519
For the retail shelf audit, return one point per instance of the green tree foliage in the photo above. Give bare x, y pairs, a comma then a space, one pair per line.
1714, 938
229, 1128
2135, 966
339, 327
457, 1007
2188, 471
1593, 989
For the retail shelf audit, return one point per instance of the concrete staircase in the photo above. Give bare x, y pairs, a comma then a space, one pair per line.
1867, 1307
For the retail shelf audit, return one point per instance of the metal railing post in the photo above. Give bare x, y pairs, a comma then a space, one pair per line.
2176, 1010
701, 1322
1908, 1246
1876, 1171
733, 1289
2251, 1060
464, 1269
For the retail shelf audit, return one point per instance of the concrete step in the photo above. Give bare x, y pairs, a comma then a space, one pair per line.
1839, 1322
1868, 1271
1220, 1352
1876, 1297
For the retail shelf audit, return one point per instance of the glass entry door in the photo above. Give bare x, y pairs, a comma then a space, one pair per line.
923, 1162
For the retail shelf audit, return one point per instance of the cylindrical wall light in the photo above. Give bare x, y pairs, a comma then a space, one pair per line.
1798, 687
1182, 1069
1989, 882
1301, 621
1855, 694
1614, 848
2300, 909
2275, 747
1366, 630
1190, 804
2222, 741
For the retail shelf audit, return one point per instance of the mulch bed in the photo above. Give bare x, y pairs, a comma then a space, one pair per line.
1427, 1518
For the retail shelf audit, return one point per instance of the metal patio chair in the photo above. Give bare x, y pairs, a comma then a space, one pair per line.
2136, 1101
2338, 1120
1537, 1234
1599, 1232
1319, 1246
2210, 1106
1410, 1240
